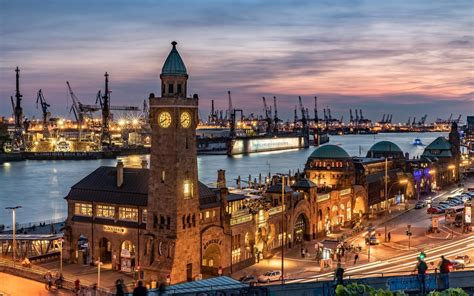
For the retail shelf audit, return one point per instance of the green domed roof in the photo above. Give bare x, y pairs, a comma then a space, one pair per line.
440, 144
329, 152
174, 65
385, 146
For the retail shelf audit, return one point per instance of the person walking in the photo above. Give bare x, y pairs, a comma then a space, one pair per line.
356, 257
119, 288
444, 272
140, 290
389, 236
421, 269
339, 275
302, 252
77, 286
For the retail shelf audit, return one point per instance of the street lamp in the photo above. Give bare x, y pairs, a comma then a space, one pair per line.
402, 181
61, 240
283, 233
14, 229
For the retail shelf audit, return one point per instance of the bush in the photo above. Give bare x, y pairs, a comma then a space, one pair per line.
449, 292
360, 289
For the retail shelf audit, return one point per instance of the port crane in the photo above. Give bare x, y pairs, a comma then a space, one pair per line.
268, 114
44, 108
316, 119
18, 111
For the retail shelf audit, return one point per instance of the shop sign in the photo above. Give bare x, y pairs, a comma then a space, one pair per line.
114, 229
322, 197
216, 241
345, 191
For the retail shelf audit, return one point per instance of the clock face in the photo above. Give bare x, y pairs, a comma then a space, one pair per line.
164, 119
185, 119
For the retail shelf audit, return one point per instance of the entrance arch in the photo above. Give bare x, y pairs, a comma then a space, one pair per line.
359, 207
127, 256
83, 250
105, 250
211, 260
301, 228
334, 215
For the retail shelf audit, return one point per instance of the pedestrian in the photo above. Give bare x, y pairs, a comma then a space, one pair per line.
389, 236
59, 280
302, 252
339, 275
140, 290
444, 272
421, 268
119, 288
356, 257
77, 286
306, 253
46, 280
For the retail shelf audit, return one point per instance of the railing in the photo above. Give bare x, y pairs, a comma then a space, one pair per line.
31, 224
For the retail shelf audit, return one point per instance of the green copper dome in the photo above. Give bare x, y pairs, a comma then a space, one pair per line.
385, 146
174, 65
329, 152
440, 144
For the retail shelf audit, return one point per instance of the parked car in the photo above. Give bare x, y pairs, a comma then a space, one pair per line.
419, 205
249, 279
270, 276
464, 258
433, 210
373, 240
457, 264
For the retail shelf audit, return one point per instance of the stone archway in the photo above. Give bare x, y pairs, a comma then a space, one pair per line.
301, 228
105, 250
83, 250
211, 259
359, 207
127, 256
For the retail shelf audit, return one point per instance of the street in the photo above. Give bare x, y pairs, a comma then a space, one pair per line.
11, 285
387, 258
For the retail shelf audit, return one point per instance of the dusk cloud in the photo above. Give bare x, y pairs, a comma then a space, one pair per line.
367, 54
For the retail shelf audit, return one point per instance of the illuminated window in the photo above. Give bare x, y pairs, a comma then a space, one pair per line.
128, 214
163, 174
105, 211
83, 209
207, 215
236, 255
188, 189
144, 215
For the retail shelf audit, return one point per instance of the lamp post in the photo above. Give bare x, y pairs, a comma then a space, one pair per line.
403, 181
98, 272
14, 230
283, 234
61, 240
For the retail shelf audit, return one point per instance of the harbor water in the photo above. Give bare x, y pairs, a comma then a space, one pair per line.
40, 186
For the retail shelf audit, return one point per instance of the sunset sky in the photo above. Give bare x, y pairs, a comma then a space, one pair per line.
404, 57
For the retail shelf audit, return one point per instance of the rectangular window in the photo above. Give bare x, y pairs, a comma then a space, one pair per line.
207, 214
163, 174
144, 215
188, 189
83, 209
170, 88
179, 89
128, 214
105, 211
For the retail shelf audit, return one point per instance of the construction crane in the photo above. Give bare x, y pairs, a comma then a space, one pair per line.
275, 115
302, 109
316, 119
459, 119
361, 116
296, 115
267, 112
351, 118
230, 104
80, 111
17, 109
409, 120
423, 120
44, 108
383, 119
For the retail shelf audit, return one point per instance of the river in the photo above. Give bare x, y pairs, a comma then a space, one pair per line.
40, 186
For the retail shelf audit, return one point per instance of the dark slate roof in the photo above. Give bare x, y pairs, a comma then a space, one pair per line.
329, 151
277, 189
235, 197
101, 186
304, 184
174, 65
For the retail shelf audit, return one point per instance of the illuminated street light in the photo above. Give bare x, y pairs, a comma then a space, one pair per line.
451, 167
14, 229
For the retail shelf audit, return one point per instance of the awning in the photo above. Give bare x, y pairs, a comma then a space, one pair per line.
208, 285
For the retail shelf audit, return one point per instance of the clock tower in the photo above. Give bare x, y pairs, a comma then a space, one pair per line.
172, 240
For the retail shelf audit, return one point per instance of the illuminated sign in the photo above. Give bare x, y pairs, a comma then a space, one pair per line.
322, 197
114, 229
345, 191
274, 210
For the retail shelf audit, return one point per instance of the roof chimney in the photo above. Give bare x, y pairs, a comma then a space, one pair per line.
144, 164
221, 183
119, 173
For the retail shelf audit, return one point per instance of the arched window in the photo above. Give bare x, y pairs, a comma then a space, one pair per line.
194, 220
188, 220
184, 224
